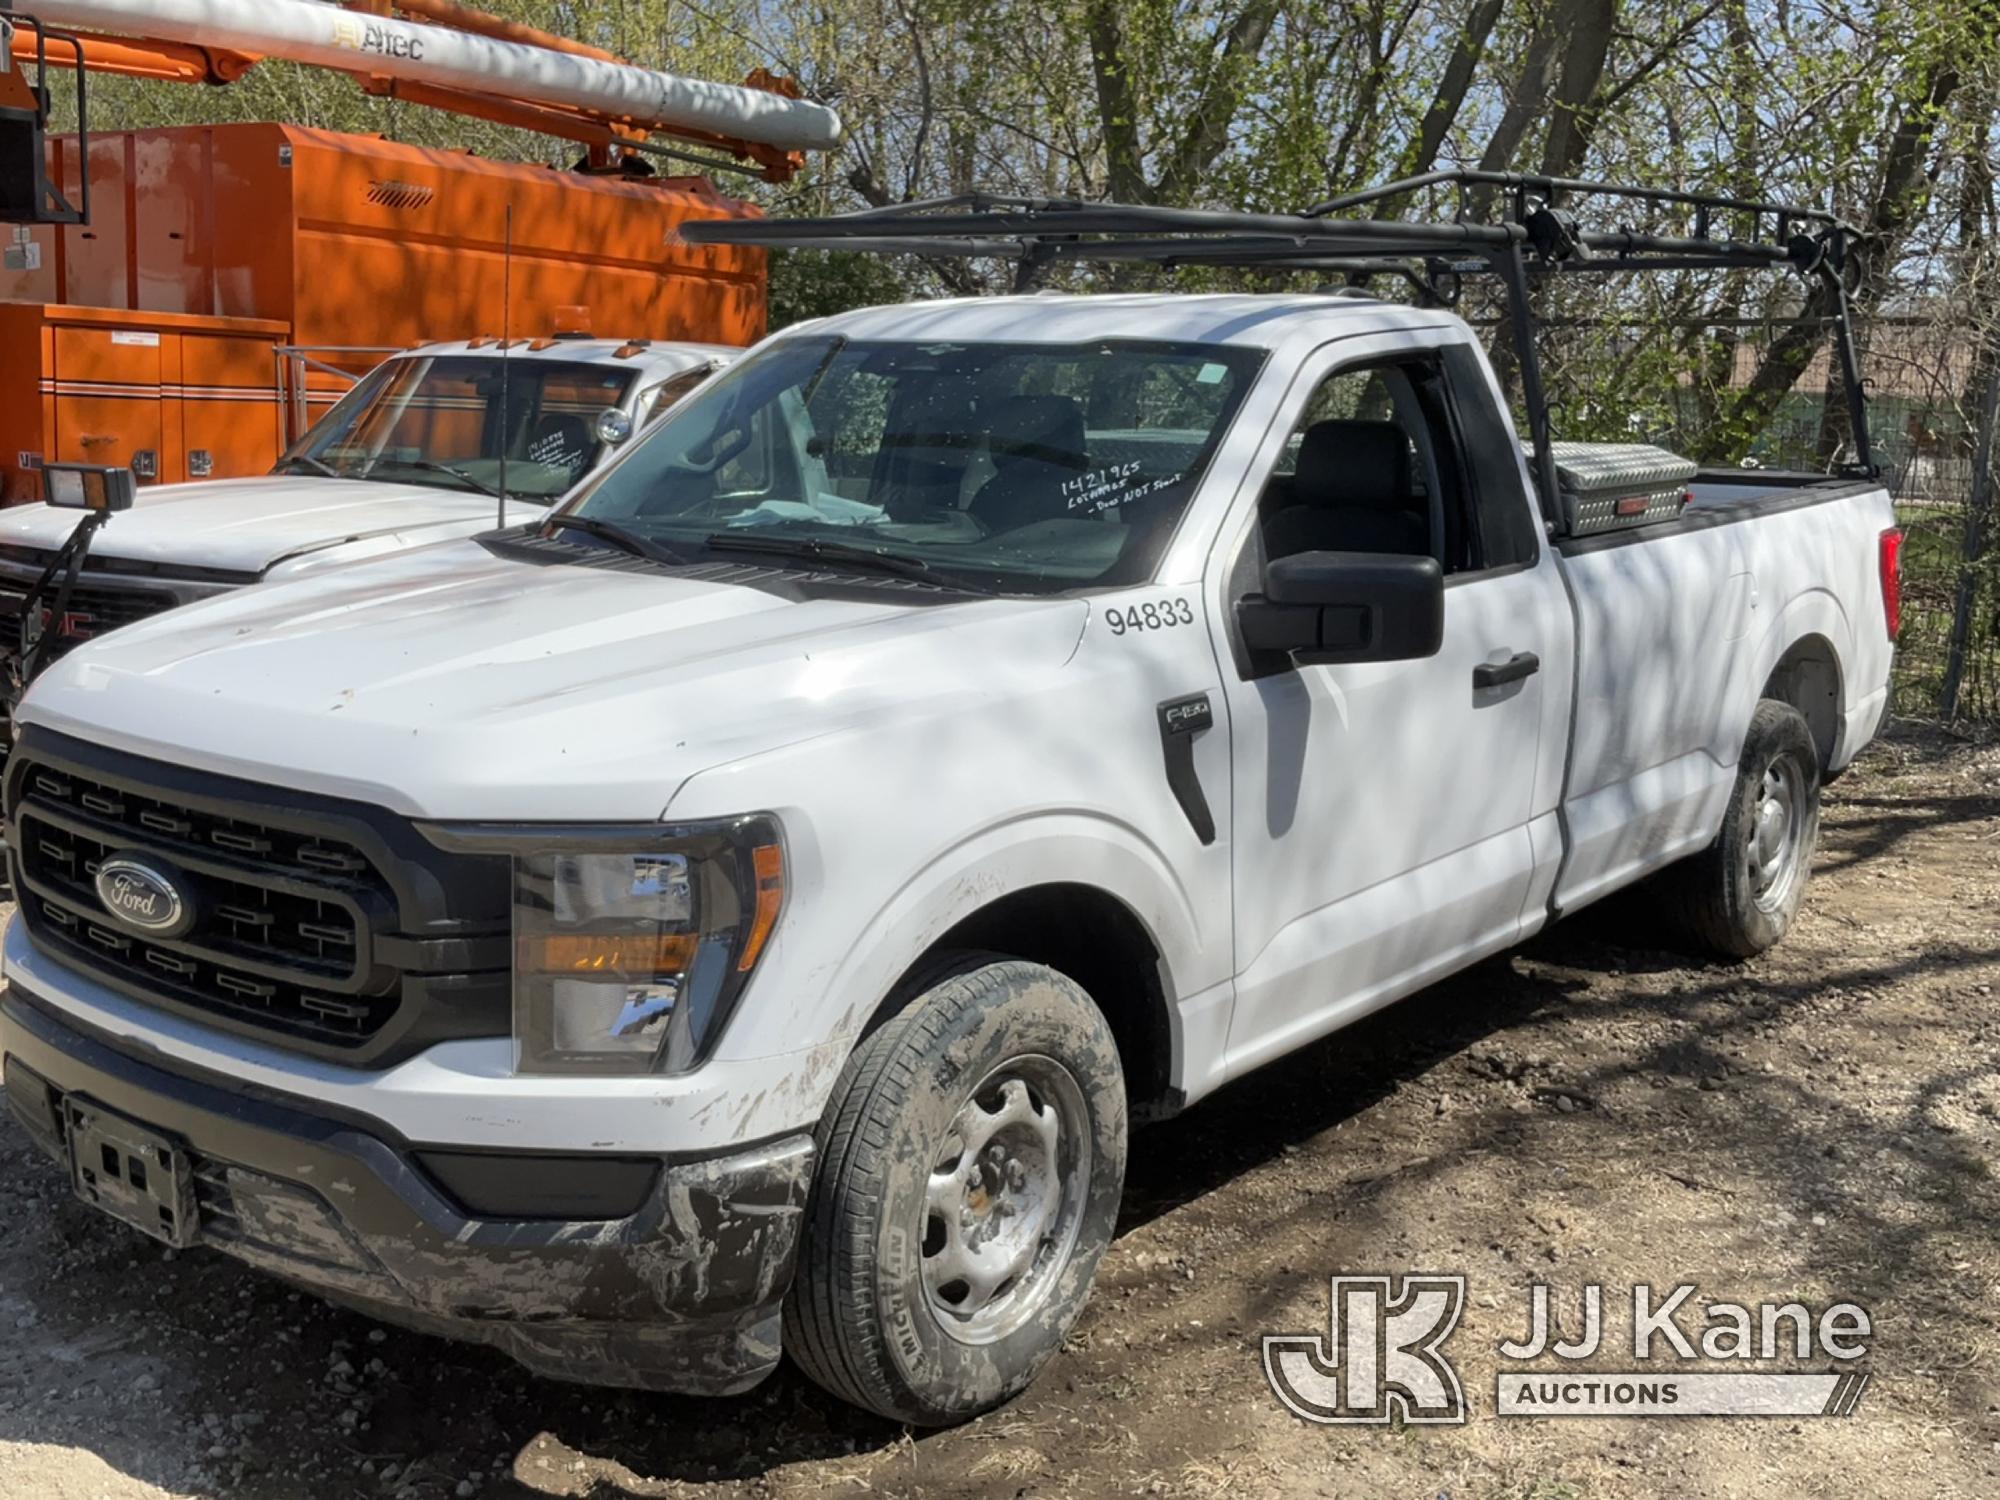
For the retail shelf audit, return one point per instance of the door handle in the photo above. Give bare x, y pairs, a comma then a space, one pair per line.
1520, 664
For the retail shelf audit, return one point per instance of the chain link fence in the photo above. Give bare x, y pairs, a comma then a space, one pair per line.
1653, 360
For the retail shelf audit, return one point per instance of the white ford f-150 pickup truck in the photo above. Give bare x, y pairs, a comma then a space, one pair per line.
748, 907
410, 456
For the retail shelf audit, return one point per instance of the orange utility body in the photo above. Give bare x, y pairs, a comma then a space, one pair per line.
171, 396
252, 236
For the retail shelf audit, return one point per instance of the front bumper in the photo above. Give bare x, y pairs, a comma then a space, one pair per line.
682, 1294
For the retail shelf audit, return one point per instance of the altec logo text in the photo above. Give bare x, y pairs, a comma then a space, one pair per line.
1382, 1358
366, 36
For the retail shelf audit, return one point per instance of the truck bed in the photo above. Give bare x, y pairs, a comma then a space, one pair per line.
1680, 625
1724, 496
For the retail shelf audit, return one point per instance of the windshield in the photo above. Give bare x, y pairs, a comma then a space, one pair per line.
436, 420
1012, 467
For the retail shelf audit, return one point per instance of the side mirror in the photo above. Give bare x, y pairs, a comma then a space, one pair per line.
1323, 607
99, 487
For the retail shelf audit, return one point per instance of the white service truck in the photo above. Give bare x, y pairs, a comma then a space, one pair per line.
410, 456
748, 907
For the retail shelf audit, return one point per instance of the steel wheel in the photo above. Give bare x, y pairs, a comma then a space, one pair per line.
1738, 896
968, 1182
1774, 839
1006, 1193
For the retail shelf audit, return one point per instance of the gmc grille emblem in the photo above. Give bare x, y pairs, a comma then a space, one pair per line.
75, 625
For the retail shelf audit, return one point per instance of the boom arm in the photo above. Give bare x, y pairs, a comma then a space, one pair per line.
469, 63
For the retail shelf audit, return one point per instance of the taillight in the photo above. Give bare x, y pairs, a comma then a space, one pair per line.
1891, 557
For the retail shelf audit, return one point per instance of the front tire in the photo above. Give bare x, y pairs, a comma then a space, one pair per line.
970, 1167
1738, 896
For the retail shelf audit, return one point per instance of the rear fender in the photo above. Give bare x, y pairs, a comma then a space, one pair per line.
1814, 613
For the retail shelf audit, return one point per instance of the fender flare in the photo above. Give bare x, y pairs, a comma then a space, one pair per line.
1053, 848
1815, 612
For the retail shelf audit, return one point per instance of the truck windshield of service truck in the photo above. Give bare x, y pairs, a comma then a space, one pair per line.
437, 420
1024, 468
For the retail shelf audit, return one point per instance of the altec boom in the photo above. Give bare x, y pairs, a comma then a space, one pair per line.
362, 42
188, 292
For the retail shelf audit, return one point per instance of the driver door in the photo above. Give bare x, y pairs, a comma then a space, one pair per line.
1387, 813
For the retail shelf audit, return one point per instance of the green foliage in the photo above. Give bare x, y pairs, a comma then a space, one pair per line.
818, 283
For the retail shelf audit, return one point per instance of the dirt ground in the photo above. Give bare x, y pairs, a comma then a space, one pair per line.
1818, 1124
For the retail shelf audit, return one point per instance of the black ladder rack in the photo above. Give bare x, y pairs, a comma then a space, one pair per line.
1512, 226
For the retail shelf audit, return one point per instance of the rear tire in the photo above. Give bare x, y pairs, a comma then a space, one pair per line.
970, 1167
1738, 897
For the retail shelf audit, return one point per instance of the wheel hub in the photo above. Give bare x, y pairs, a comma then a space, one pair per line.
1005, 1194
1775, 841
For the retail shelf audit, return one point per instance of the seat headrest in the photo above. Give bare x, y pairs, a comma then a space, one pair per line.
1046, 428
1363, 464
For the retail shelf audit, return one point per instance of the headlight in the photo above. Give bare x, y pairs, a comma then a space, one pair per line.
631, 945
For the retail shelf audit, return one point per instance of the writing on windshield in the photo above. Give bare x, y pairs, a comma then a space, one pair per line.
440, 420
1016, 466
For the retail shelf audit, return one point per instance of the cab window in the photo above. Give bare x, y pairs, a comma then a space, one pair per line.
1377, 463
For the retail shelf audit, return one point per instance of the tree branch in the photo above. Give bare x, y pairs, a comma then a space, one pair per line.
1208, 125
1899, 194
1421, 154
1117, 104
1586, 45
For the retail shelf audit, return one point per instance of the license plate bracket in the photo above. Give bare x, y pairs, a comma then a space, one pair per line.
131, 1171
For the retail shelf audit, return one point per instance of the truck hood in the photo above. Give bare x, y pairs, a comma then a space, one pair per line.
246, 525
451, 683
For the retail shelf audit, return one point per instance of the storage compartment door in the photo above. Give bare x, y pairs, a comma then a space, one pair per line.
229, 406
108, 398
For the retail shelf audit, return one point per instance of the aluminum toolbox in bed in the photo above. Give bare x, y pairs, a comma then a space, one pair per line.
1612, 486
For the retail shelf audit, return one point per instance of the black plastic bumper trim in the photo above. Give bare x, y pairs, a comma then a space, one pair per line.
514, 1185
680, 1295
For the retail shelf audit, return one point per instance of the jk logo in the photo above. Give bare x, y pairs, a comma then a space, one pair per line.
1380, 1357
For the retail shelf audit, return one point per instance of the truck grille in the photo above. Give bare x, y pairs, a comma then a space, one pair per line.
299, 932
90, 611
280, 914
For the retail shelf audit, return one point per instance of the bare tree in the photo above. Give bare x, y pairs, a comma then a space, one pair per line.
1901, 191
1586, 44
1978, 216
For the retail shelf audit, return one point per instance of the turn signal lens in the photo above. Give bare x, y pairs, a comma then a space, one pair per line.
558, 953
767, 861
630, 959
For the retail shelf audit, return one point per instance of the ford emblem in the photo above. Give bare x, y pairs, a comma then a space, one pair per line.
143, 896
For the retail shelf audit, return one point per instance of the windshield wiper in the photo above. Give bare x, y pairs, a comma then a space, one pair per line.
318, 465
431, 465
818, 549
620, 537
